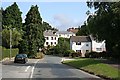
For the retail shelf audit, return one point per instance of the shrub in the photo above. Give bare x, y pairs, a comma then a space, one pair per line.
92, 55
68, 52
75, 54
39, 55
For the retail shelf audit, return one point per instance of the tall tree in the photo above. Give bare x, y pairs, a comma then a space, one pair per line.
12, 16
105, 24
33, 32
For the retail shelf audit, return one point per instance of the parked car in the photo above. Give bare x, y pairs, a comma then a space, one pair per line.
21, 58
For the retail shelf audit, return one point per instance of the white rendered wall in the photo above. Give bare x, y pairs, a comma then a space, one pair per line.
96, 45
50, 40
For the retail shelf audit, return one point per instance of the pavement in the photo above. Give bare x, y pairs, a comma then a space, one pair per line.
50, 67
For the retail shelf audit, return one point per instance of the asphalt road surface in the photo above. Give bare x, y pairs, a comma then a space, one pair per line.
49, 67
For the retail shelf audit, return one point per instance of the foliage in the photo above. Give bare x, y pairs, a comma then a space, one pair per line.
95, 67
40, 55
61, 48
83, 31
12, 16
102, 30
33, 38
6, 52
16, 37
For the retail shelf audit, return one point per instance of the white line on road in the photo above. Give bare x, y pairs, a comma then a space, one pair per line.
27, 68
31, 76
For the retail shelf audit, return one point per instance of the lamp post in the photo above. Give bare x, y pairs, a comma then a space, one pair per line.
11, 43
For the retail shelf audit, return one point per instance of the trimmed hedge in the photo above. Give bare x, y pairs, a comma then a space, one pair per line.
96, 55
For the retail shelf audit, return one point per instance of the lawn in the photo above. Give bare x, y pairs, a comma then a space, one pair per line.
6, 52
95, 67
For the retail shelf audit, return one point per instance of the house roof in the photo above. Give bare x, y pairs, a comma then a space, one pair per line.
80, 39
64, 32
49, 33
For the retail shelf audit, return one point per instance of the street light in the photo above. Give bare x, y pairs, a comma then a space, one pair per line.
11, 43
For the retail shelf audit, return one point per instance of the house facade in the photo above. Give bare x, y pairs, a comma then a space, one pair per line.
51, 39
85, 44
65, 34
98, 46
81, 44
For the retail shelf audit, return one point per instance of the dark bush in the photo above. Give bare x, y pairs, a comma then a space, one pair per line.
68, 52
96, 55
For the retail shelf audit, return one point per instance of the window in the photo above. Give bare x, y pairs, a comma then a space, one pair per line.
47, 38
54, 42
55, 38
87, 44
87, 51
78, 43
98, 49
79, 51
51, 43
46, 43
51, 38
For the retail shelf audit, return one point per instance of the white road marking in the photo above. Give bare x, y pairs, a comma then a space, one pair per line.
27, 68
31, 76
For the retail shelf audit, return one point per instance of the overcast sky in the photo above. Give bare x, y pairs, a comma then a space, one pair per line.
61, 15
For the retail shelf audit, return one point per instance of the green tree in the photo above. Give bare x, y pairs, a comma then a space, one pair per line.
33, 38
105, 25
16, 37
12, 16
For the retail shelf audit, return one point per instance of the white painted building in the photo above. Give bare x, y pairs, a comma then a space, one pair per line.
84, 44
51, 38
98, 46
65, 34
81, 44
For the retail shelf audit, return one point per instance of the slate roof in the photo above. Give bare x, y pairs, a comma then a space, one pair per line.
64, 32
49, 33
80, 39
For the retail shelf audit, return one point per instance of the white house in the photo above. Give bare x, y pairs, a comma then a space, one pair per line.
51, 38
80, 44
84, 44
98, 46
65, 34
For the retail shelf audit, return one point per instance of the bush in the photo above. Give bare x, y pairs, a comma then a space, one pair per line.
75, 54
68, 52
92, 55
39, 55
96, 55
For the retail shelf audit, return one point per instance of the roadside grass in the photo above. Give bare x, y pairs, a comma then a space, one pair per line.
95, 67
5, 53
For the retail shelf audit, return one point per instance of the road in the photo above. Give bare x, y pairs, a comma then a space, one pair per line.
48, 67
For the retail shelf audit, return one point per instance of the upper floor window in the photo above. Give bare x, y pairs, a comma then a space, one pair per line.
51, 38
87, 44
47, 38
55, 38
78, 43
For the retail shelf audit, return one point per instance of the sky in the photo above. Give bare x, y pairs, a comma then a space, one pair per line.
61, 15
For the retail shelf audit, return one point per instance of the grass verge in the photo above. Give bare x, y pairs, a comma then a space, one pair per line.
6, 52
95, 67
